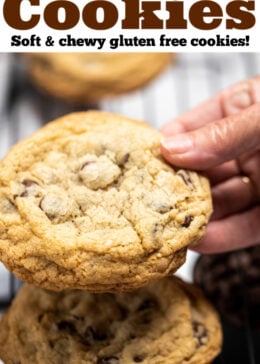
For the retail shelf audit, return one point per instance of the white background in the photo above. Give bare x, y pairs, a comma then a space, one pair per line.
81, 31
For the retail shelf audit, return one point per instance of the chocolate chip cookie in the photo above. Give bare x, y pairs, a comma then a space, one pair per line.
232, 283
89, 77
88, 202
167, 322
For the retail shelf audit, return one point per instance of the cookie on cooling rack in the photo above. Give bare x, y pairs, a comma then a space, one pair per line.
165, 322
91, 77
88, 202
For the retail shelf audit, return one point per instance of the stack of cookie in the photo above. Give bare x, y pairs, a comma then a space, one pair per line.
90, 77
88, 207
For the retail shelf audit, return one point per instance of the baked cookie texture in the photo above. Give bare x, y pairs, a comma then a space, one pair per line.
90, 77
88, 202
167, 322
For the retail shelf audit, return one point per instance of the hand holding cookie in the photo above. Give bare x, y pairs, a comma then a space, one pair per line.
88, 202
221, 137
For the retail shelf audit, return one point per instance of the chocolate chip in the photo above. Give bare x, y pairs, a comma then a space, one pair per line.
187, 221
132, 336
96, 334
139, 358
53, 206
161, 207
99, 174
86, 164
124, 159
156, 232
29, 183
155, 229
123, 312
200, 333
30, 189
108, 360
67, 326
148, 304
145, 309
78, 318
185, 177
40, 317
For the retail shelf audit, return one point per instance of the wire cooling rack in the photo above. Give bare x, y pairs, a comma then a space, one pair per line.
190, 79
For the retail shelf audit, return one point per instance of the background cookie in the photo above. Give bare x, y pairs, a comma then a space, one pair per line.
166, 322
221, 277
94, 76
88, 202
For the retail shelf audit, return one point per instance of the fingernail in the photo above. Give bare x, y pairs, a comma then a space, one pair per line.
178, 144
239, 101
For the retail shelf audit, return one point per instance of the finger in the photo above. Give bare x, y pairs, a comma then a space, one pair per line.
216, 142
223, 172
249, 166
232, 233
207, 111
228, 102
231, 196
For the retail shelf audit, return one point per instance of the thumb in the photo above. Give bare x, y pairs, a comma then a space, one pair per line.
216, 142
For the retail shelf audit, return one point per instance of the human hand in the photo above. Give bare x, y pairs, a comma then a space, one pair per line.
221, 137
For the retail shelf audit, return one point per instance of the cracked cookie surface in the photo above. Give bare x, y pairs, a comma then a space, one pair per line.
90, 77
88, 202
167, 322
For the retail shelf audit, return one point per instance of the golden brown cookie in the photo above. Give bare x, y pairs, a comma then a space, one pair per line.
88, 202
93, 76
167, 322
